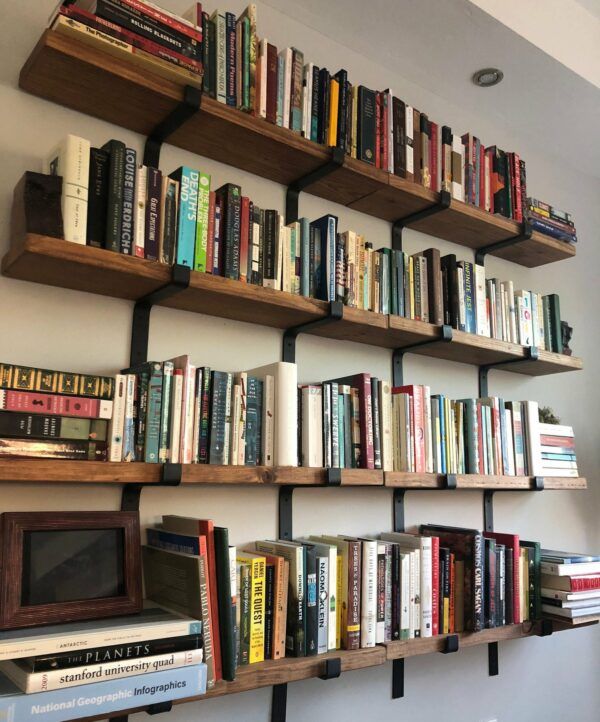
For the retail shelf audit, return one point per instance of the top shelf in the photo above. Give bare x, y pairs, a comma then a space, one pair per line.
86, 79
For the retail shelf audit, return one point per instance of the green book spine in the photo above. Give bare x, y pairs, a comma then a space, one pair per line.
548, 340
153, 417
141, 408
554, 304
202, 223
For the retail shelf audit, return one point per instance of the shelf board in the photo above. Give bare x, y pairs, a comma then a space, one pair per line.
56, 262
411, 480
105, 472
90, 81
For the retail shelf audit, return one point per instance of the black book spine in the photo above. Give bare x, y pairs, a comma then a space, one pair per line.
128, 215
312, 603
396, 591
261, 248
253, 421
500, 586
114, 209
315, 104
375, 384
271, 230
169, 224
141, 23
203, 439
97, 197
312, 265
231, 197
206, 56
399, 136
153, 194
141, 409
248, 269
478, 583
218, 418
225, 603
42, 426
100, 655
508, 586
324, 78
348, 453
299, 431
342, 78
366, 129
230, 33
212, 52
450, 289
269, 609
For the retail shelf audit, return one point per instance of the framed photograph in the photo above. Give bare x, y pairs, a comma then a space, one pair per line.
66, 566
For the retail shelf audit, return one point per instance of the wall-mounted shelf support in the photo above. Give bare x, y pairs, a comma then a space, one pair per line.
398, 354
140, 328
152, 709
398, 522
398, 226
170, 476
524, 235
398, 678
190, 105
451, 644
531, 354
279, 703
547, 628
336, 313
294, 189
333, 668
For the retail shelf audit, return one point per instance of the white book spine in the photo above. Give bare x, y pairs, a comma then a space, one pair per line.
409, 130
510, 444
175, 430
412, 619
387, 438
241, 419
187, 416
334, 602
533, 452
228, 400
535, 329
426, 588
236, 411
457, 182
139, 227
286, 415
462, 315
71, 160
63, 678
405, 597
428, 434
323, 604
418, 599
118, 419
482, 326
368, 607
312, 426
287, 86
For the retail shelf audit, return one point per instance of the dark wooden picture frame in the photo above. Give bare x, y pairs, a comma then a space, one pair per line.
14, 529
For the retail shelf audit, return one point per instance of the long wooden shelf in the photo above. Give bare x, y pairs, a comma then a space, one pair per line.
410, 480
88, 80
56, 262
105, 472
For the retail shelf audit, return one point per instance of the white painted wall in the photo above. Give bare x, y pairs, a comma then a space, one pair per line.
549, 679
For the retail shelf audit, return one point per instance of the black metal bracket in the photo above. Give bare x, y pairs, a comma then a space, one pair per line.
333, 477
159, 708
279, 702
398, 678
130, 497
399, 506
538, 483
451, 644
531, 354
333, 668
493, 668
398, 226
286, 494
190, 105
294, 189
488, 510
547, 628
523, 235
336, 313
140, 327
398, 355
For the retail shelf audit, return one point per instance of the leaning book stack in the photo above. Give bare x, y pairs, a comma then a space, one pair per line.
74, 670
570, 586
54, 414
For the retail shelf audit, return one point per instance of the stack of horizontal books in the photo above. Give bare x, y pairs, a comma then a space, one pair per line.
571, 586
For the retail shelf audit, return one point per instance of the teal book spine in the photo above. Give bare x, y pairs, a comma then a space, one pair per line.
153, 417
385, 280
280, 83
188, 180
201, 245
472, 434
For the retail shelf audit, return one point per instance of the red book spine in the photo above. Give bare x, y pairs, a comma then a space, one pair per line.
245, 223
452, 605
585, 584
212, 632
206, 528
435, 585
490, 156
496, 438
433, 157
385, 99
482, 176
165, 19
36, 403
518, 207
566, 442
210, 238
366, 425
378, 130
271, 83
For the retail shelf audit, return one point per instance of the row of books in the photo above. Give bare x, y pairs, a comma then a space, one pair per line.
571, 585
68, 671
321, 593
174, 411
178, 218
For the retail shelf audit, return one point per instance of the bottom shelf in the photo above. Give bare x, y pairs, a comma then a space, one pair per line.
294, 669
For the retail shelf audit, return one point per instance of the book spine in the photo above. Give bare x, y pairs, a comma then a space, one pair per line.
128, 212
231, 62
167, 380
128, 423
152, 221
26, 378
54, 449
114, 216
188, 209
139, 239
269, 610
44, 403
42, 426
368, 594
153, 414
97, 198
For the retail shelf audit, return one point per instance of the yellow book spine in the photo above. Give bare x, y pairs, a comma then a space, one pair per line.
340, 600
446, 626
334, 95
257, 606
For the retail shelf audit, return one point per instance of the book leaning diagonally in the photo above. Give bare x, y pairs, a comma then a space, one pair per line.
285, 376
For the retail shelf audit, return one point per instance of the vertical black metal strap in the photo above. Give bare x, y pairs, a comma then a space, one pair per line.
140, 327
288, 353
488, 510
445, 336
333, 477
398, 510
524, 234
493, 659
130, 497
286, 495
279, 703
443, 204
398, 678
123, 717
531, 354
190, 105
483, 381
295, 188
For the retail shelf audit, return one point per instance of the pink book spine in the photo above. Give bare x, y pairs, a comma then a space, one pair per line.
36, 403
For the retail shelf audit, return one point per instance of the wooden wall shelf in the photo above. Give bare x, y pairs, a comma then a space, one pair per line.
487, 482
56, 262
86, 79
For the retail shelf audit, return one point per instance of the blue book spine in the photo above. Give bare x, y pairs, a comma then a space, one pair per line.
101, 698
172, 542
153, 414
400, 280
188, 211
542, 227
324, 257
305, 256
280, 84
470, 320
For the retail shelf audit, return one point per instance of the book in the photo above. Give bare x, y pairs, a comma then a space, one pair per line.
189, 180
26, 378
257, 564
226, 602
43, 426
54, 449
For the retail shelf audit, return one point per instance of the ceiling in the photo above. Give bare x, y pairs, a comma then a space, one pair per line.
438, 45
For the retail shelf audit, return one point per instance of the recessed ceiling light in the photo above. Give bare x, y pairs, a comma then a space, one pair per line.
487, 77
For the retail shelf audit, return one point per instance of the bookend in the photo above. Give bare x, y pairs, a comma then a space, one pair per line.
398, 226
140, 327
335, 313
531, 354
170, 476
294, 189
190, 105
398, 353
523, 235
